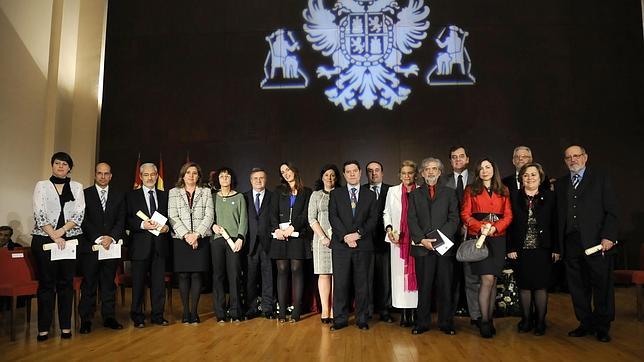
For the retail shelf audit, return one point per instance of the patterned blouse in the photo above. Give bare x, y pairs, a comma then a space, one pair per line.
46, 203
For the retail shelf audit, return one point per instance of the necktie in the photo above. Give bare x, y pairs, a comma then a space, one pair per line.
257, 205
431, 192
375, 189
459, 187
575, 180
354, 200
103, 199
153, 204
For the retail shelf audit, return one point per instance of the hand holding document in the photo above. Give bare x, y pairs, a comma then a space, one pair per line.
442, 243
61, 254
114, 252
230, 241
157, 217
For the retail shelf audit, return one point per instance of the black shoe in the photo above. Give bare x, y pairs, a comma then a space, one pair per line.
486, 329
326, 320
194, 319
111, 323
476, 322
251, 314
461, 312
338, 326
363, 326
269, 315
524, 326
419, 330
579, 332
405, 318
450, 331
540, 329
603, 336
386, 317
295, 315
65, 335
186, 318
139, 324
42, 337
161, 322
85, 328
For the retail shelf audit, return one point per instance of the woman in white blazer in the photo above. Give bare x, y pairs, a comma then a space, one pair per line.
191, 214
404, 293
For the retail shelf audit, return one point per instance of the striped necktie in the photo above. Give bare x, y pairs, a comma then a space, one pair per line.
103, 199
576, 179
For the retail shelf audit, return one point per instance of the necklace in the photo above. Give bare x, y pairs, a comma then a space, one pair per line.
224, 197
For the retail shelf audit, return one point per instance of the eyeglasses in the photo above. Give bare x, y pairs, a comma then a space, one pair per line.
573, 157
153, 174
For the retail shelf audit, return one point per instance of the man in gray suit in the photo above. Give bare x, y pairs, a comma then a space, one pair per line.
465, 283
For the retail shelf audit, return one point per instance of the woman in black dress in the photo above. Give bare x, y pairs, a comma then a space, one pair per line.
531, 244
291, 243
191, 213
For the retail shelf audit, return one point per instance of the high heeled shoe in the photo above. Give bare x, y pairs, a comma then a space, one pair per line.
486, 329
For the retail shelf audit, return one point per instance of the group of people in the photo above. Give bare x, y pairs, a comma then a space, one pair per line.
375, 245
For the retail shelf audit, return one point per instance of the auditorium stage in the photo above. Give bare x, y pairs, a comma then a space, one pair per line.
309, 340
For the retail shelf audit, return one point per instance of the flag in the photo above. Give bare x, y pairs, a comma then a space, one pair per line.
137, 174
161, 173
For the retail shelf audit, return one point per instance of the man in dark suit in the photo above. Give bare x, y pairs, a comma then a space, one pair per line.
6, 232
433, 207
380, 265
522, 155
587, 216
103, 224
466, 284
353, 214
148, 252
258, 262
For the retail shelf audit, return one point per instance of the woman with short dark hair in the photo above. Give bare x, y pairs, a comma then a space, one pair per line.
230, 226
59, 208
531, 240
190, 213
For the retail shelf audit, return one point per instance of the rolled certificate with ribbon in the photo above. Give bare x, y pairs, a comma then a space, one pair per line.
484, 230
96, 247
49, 246
593, 249
230, 241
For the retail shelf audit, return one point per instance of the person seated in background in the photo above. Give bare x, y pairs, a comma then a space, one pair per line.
6, 232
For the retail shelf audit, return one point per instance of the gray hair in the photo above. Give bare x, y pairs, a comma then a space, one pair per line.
427, 160
148, 164
521, 148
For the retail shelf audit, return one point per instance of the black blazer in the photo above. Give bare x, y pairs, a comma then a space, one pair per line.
343, 222
280, 210
545, 208
597, 208
142, 242
425, 215
379, 243
98, 222
259, 225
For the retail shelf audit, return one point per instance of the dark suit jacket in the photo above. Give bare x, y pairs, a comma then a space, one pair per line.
425, 215
379, 243
597, 208
98, 222
280, 210
343, 222
142, 242
259, 225
545, 210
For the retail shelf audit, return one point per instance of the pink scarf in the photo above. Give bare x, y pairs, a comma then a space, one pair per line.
405, 243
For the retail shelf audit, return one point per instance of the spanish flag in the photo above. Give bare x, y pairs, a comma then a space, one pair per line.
161, 174
137, 174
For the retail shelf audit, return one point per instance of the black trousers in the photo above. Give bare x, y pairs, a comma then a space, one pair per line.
55, 281
226, 265
379, 279
259, 277
154, 268
350, 266
590, 282
430, 269
97, 274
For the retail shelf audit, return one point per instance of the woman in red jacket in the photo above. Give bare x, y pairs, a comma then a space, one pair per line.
487, 201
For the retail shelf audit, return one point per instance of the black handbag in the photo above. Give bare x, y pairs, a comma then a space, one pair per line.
468, 251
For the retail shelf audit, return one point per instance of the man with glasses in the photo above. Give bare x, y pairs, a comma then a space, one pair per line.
522, 155
587, 211
466, 284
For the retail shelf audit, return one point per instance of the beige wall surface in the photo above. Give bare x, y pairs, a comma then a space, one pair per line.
49, 75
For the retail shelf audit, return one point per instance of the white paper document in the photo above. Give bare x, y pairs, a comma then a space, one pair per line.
114, 252
68, 253
160, 219
285, 225
447, 244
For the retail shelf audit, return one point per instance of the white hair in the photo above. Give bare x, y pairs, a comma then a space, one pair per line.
147, 164
427, 160
521, 148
